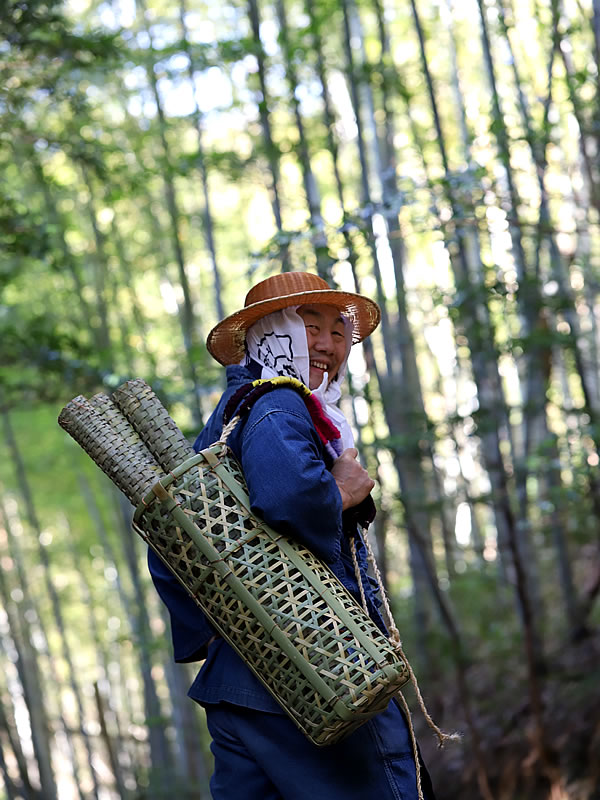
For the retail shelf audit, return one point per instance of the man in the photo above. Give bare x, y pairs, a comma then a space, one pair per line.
292, 324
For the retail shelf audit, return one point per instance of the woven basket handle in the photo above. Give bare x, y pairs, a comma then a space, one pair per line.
240, 402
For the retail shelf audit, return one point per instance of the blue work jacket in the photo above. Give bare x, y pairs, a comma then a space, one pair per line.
290, 487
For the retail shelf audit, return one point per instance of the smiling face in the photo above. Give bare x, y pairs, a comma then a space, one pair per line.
326, 340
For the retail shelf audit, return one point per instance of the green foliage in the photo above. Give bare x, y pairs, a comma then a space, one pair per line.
478, 399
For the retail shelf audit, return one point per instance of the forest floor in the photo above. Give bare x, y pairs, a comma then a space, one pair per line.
571, 696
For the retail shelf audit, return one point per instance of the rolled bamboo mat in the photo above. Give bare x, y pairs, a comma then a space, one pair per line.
145, 412
132, 469
117, 420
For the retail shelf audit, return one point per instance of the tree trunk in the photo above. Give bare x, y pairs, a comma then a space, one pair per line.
536, 439
9, 727
124, 599
206, 210
271, 149
109, 743
409, 381
32, 692
12, 791
160, 753
86, 318
102, 281
319, 240
189, 754
112, 744
492, 455
33, 521
33, 625
34, 695
100, 266
189, 322
587, 158
128, 283
410, 476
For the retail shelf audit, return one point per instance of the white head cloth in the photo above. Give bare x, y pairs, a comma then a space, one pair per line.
278, 343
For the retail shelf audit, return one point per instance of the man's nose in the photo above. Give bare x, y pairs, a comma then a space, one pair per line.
324, 342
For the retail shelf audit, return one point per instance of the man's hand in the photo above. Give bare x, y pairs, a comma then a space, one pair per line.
352, 480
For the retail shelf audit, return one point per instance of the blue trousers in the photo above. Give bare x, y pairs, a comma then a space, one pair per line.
261, 756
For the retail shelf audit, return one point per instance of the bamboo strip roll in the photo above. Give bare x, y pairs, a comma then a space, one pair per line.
132, 473
116, 419
153, 423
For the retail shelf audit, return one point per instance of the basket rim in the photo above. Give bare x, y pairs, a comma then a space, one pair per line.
151, 496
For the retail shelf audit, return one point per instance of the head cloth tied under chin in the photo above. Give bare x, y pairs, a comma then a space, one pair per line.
273, 335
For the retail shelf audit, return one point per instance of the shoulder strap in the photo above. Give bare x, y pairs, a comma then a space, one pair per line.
242, 401
245, 397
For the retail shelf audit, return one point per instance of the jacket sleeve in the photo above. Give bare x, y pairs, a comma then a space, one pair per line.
288, 482
190, 629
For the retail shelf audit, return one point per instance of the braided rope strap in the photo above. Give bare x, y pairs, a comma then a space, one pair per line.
246, 396
243, 400
396, 642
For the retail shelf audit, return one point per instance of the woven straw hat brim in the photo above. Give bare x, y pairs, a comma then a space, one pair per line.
226, 341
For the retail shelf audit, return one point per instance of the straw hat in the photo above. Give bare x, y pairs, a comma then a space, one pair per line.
226, 341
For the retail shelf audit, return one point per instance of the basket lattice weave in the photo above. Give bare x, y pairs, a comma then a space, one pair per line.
283, 610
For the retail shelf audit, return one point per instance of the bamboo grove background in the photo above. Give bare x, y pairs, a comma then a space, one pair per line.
440, 156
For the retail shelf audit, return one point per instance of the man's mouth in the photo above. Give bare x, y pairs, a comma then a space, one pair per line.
320, 365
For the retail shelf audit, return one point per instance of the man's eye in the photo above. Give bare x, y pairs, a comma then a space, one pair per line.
338, 334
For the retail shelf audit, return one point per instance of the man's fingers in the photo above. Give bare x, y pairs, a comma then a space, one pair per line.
350, 452
351, 478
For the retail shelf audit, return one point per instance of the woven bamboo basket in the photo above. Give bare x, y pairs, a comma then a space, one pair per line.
285, 613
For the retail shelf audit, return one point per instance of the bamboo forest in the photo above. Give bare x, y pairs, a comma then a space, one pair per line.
441, 157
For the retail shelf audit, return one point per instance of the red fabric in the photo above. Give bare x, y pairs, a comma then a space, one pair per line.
325, 427
249, 394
